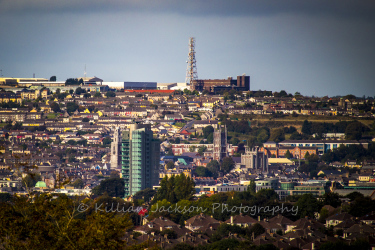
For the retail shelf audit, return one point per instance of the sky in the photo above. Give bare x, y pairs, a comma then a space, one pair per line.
315, 47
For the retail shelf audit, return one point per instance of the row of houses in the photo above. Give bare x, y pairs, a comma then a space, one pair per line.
305, 233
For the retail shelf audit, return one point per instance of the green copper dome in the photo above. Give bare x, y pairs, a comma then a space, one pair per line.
40, 184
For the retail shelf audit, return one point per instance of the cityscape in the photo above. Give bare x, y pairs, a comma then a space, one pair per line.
202, 144
264, 139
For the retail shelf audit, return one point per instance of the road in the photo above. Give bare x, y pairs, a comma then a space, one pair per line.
188, 125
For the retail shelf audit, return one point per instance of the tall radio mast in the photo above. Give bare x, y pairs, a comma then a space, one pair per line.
191, 71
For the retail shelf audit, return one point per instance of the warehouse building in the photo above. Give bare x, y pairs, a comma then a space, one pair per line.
131, 85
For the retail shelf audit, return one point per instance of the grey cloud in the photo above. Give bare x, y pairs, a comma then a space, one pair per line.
342, 8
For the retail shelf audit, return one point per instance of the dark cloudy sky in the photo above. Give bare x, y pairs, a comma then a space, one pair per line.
316, 47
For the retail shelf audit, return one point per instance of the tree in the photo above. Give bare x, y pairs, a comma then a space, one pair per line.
336, 245
213, 166
234, 141
296, 136
187, 92
277, 135
5, 197
207, 131
201, 150
252, 187
210, 138
263, 134
178, 140
146, 194
114, 187
283, 93
288, 154
114, 174
71, 107
350, 97
225, 229
79, 91
307, 205
170, 165
55, 107
256, 230
97, 94
307, 155
71, 81
78, 183
360, 244
353, 195
324, 214
306, 127
361, 206
332, 199
85, 119
169, 152
354, 131
110, 94
52, 79
267, 194
46, 222
86, 95
175, 188
228, 164
107, 141
184, 187
290, 130
31, 179
312, 158
61, 96
183, 246
203, 172
170, 233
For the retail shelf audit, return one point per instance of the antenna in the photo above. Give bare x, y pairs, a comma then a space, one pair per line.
191, 71
85, 71
1, 73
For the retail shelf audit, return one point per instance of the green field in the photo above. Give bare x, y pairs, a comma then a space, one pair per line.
52, 115
271, 121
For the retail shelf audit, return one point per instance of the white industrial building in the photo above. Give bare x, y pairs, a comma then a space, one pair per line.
131, 85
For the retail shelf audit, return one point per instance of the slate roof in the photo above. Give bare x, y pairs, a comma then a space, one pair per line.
304, 223
360, 228
201, 221
340, 217
242, 219
279, 219
345, 224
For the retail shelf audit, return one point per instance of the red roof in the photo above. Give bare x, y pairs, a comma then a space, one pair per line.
150, 91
